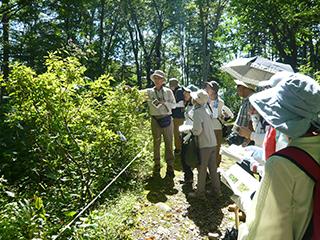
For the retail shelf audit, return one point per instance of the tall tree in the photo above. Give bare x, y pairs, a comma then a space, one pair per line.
289, 25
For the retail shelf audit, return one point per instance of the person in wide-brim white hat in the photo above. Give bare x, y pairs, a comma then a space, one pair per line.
203, 128
200, 96
287, 194
158, 74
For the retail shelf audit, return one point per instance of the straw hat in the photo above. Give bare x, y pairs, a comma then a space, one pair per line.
158, 73
247, 85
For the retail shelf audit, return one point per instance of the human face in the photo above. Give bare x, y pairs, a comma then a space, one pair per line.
240, 90
158, 81
186, 96
212, 94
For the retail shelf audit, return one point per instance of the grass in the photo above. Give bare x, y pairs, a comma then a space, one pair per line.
114, 221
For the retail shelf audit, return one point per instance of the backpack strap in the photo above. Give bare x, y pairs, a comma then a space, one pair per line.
306, 163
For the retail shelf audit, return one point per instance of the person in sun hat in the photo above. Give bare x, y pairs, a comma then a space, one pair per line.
217, 107
283, 205
188, 116
203, 128
177, 113
244, 90
161, 101
275, 79
274, 140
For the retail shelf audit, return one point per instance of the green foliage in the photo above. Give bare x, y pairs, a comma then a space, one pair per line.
64, 136
23, 220
108, 223
308, 70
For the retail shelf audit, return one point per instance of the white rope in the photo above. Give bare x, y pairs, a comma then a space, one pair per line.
99, 195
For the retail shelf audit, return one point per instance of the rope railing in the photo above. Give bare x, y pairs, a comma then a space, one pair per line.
99, 195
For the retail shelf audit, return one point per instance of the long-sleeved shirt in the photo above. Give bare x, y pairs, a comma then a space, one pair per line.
164, 94
282, 207
203, 127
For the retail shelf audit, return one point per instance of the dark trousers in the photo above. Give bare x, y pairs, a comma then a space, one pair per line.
188, 174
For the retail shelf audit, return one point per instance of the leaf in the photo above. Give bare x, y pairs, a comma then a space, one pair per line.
38, 203
10, 194
70, 214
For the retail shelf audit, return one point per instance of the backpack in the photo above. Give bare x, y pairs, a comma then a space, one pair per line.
306, 163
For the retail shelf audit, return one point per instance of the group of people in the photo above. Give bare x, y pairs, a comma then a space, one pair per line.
282, 113
204, 112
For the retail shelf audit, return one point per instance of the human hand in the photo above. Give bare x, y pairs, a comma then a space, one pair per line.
245, 132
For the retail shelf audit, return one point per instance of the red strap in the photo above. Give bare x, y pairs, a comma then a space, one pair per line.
307, 164
269, 143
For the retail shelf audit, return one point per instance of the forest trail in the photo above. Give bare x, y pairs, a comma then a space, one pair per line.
164, 211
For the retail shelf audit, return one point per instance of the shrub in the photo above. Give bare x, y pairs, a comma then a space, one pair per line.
63, 136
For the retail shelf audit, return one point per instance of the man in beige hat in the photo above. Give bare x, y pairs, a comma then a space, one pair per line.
177, 113
161, 101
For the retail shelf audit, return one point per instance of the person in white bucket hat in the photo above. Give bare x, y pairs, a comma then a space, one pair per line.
284, 204
203, 128
161, 101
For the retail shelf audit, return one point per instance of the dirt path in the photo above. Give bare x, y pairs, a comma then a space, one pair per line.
164, 211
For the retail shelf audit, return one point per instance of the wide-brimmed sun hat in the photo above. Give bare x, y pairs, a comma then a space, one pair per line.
200, 96
158, 73
186, 89
275, 79
291, 106
247, 85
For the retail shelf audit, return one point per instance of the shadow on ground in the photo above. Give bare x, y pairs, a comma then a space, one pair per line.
160, 187
207, 214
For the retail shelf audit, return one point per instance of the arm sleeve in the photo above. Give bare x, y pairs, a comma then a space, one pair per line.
228, 111
271, 208
180, 104
197, 124
257, 138
170, 103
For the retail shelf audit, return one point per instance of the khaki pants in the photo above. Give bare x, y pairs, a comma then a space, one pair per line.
208, 160
167, 133
177, 139
219, 137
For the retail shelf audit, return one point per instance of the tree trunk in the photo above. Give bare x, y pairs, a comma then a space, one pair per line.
6, 46
183, 54
135, 49
101, 35
204, 43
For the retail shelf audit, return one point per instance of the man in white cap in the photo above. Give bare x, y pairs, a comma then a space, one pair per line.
161, 101
244, 91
